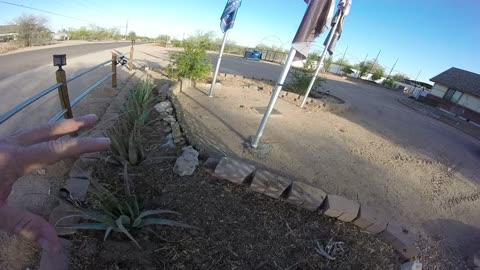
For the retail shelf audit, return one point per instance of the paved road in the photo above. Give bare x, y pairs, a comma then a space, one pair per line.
22, 61
378, 110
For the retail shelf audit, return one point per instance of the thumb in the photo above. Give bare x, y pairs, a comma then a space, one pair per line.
29, 226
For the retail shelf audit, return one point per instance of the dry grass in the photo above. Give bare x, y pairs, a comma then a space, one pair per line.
9, 46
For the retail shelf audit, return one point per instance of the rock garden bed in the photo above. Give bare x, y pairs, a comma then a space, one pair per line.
239, 228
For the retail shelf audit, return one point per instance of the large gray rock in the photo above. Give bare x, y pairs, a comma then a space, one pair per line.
187, 162
164, 106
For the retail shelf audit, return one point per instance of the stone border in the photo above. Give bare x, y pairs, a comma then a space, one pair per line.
305, 196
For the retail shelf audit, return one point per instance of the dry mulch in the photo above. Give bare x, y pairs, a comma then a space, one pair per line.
240, 228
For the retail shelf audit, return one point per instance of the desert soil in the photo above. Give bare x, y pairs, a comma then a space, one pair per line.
342, 157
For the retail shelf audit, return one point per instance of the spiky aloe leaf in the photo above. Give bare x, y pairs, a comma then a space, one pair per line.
167, 222
85, 226
138, 220
122, 228
107, 232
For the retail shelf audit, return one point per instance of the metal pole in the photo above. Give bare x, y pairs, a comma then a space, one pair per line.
374, 62
364, 62
343, 58
114, 70
212, 87
391, 70
320, 64
274, 97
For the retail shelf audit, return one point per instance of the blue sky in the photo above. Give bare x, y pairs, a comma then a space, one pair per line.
428, 36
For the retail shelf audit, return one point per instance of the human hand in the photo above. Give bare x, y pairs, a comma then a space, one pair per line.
28, 150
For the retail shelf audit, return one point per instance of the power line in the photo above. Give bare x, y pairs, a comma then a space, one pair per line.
49, 12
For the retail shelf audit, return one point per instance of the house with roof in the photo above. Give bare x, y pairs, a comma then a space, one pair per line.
457, 91
8, 32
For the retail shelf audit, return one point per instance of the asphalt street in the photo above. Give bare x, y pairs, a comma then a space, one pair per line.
12, 64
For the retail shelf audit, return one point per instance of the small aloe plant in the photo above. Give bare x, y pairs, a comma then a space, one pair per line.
118, 215
126, 144
140, 102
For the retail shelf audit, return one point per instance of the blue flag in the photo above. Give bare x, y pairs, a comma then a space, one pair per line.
229, 13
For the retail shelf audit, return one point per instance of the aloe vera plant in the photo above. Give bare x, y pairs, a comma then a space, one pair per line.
126, 144
118, 215
140, 102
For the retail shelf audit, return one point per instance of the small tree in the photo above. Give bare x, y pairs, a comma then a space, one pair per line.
378, 74
399, 77
300, 80
132, 36
33, 30
193, 63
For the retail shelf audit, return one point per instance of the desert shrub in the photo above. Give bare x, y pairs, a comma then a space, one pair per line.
118, 214
347, 69
389, 82
378, 74
193, 63
300, 80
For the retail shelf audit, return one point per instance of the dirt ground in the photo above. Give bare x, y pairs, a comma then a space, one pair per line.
241, 229
342, 157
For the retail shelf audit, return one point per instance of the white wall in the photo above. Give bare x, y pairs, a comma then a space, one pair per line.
470, 102
438, 90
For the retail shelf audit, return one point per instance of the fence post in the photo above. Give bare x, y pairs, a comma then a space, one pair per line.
130, 63
63, 92
114, 69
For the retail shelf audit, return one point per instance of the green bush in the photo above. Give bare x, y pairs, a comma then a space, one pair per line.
389, 82
378, 74
300, 81
193, 63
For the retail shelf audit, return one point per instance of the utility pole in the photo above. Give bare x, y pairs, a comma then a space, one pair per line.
364, 61
126, 30
343, 57
374, 62
391, 70
417, 77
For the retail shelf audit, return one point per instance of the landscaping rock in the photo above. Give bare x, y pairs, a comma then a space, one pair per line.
270, 184
168, 142
233, 170
167, 129
253, 87
411, 266
187, 162
41, 171
77, 188
306, 196
401, 240
176, 132
164, 106
341, 208
169, 119
369, 221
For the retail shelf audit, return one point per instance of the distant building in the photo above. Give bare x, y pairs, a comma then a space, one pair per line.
457, 91
8, 32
